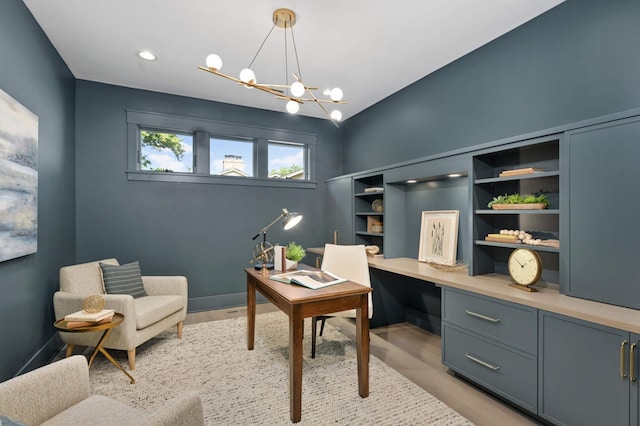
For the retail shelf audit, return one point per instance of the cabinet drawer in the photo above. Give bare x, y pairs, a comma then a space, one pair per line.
506, 371
509, 323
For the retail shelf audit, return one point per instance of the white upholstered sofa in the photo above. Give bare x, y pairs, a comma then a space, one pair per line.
164, 306
59, 394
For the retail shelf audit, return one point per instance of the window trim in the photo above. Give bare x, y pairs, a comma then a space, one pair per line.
202, 130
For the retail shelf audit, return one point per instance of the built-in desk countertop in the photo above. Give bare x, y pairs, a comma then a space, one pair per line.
547, 297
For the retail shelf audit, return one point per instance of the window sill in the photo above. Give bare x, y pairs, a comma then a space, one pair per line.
218, 180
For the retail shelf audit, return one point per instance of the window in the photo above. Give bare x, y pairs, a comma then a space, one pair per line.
166, 148
287, 160
166, 152
230, 157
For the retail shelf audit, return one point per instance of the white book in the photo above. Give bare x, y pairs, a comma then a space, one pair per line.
89, 317
311, 279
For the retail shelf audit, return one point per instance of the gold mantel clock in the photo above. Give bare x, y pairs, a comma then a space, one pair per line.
525, 268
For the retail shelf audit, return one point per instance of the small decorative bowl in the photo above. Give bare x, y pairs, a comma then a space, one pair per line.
93, 303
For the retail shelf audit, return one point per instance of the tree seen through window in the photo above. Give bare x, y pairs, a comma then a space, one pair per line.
166, 152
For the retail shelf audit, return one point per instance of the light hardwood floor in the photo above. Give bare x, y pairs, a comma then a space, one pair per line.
415, 353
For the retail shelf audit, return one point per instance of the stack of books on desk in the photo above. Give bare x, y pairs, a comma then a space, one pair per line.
84, 318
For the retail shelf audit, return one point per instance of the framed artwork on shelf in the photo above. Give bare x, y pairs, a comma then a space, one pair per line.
439, 237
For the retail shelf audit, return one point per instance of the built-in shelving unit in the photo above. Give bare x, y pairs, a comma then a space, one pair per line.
543, 155
369, 223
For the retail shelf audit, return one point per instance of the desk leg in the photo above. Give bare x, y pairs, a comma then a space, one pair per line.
251, 311
296, 322
362, 345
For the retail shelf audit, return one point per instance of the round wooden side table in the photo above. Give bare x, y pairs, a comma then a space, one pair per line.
106, 327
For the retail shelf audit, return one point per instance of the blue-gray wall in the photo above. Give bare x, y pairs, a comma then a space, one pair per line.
202, 231
32, 72
577, 61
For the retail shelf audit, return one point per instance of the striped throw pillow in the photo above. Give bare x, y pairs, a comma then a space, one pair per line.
123, 279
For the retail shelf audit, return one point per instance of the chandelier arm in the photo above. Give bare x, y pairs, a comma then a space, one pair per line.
264, 88
263, 42
286, 86
291, 98
325, 101
267, 89
216, 72
314, 99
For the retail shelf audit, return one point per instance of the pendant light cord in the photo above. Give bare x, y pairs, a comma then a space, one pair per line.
295, 50
263, 42
286, 57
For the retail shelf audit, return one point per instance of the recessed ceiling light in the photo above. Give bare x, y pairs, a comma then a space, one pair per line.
146, 55
411, 181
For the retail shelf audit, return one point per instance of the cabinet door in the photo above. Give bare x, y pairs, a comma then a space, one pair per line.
580, 381
339, 211
634, 378
602, 228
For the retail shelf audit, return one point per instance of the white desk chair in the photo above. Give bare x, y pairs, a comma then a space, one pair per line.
348, 262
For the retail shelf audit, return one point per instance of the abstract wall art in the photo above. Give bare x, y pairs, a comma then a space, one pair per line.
18, 179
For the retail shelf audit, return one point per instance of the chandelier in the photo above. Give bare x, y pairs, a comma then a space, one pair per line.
294, 93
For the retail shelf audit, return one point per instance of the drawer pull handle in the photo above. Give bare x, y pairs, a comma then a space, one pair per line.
481, 362
632, 362
484, 317
623, 369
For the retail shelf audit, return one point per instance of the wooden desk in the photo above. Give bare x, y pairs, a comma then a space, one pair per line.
548, 296
299, 303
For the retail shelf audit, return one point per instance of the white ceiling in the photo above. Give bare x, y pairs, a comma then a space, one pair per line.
368, 48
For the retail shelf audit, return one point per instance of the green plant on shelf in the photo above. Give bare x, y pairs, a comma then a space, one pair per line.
295, 252
519, 199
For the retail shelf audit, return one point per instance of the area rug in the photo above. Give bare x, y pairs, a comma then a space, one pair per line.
242, 387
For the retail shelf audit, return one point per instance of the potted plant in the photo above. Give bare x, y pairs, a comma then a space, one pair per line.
294, 254
517, 201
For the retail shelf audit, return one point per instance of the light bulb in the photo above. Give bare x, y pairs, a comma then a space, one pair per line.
293, 107
336, 115
297, 89
247, 76
336, 94
214, 61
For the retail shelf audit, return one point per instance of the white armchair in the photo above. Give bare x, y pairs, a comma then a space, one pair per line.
60, 394
144, 317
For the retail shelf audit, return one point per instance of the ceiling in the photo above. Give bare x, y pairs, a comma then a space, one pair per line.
368, 48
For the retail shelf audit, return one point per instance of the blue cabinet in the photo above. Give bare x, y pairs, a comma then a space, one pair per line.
602, 175
369, 210
588, 373
338, 211
492, 343
634, 377
525, 167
